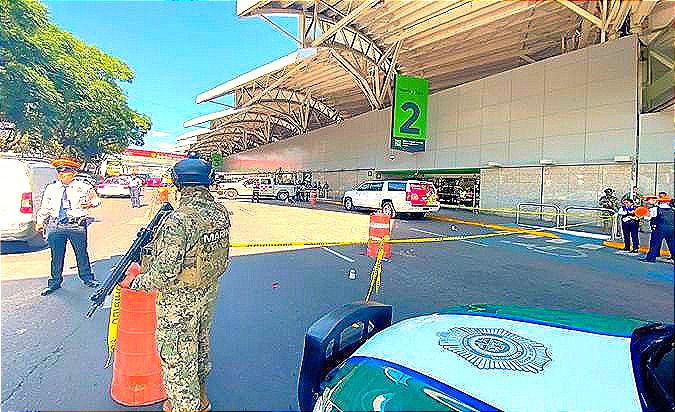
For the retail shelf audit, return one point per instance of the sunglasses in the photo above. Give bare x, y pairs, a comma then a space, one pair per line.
65, 170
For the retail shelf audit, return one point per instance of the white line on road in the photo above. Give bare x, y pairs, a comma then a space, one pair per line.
331, 251
558, 241
340, 255
590, 246
439, 235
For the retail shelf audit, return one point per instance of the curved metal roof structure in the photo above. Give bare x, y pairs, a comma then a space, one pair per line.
349, 51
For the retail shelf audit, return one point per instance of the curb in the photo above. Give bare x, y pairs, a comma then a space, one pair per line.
643, 249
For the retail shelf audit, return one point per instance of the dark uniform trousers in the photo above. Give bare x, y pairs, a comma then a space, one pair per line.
57, 235
630, 232
663, 229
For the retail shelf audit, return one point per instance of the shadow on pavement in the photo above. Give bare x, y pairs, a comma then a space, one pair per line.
52, 353
18, 247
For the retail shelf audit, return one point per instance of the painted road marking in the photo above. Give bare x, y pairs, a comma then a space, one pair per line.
622, 252
590, 246
558, 241
340, 255
332, 252
559, 251
439, 235
529, 236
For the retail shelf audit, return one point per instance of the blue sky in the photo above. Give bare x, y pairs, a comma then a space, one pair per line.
176, 49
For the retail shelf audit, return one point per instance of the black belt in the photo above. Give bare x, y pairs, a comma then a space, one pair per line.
80, 221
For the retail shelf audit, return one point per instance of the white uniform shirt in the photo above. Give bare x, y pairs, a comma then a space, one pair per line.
77, 193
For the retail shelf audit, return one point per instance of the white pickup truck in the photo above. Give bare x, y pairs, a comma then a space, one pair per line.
415, 197
244, 189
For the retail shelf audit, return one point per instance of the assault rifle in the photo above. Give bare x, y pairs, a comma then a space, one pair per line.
119, 271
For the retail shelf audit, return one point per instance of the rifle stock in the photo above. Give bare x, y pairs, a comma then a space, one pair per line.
119, 271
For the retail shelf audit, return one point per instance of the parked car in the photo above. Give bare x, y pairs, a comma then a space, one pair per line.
113, 186
415, 197
269, 189
22, 185
244, 189
233, 189
485, 358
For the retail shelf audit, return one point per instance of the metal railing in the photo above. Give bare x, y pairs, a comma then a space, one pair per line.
541, 207
608, 214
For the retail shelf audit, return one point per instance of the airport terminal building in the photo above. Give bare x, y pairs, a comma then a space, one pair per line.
544, 102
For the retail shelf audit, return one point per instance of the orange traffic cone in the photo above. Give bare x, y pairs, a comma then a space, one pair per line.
137, 372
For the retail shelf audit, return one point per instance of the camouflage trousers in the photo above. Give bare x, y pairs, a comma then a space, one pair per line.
184, 318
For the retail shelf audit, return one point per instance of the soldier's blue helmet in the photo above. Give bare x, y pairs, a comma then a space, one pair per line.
192, 171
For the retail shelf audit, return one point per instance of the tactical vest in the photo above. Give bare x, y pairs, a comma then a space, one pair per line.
207, 260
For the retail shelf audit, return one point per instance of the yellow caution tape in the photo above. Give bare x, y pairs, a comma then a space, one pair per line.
363, 242
112, 324
503, 231
376, 273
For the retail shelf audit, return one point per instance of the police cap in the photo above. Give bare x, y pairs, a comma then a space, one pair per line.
192, 171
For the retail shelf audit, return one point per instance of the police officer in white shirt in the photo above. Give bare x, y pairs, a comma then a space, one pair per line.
63, 212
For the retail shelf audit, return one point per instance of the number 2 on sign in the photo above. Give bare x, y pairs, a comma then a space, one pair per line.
405, 127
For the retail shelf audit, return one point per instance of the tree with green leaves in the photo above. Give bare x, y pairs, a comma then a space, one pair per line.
62, 96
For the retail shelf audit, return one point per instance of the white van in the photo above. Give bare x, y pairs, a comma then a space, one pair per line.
21, 187
415, 197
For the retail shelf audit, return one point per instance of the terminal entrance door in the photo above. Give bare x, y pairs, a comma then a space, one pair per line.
458, 190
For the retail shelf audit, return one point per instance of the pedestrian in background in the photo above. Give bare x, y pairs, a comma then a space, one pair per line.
64, 214
188, 254
629, 226
611, 202
135, 191
635, 195
662, 219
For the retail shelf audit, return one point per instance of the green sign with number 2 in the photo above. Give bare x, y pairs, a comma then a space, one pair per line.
409, 117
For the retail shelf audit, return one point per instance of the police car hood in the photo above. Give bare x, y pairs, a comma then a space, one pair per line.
514, 364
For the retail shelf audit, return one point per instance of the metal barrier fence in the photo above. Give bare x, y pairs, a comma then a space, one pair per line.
606, 214
541, 206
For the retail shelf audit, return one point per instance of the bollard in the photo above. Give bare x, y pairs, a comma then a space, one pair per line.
379, 228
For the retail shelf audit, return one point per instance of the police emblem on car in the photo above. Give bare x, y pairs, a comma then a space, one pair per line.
495, 348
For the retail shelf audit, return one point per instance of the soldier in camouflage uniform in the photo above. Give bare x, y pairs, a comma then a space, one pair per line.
608, 201
187, 256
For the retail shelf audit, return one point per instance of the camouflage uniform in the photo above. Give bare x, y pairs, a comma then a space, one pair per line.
608, 201
188, 254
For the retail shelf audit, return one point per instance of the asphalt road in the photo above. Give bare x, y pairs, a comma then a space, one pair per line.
52, 357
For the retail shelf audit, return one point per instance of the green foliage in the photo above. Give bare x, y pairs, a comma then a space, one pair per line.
62, 94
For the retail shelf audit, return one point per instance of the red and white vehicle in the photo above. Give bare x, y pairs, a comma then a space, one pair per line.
415, 197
